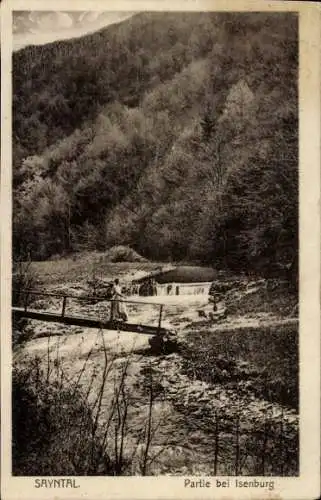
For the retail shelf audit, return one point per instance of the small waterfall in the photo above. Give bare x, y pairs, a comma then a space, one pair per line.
183, 288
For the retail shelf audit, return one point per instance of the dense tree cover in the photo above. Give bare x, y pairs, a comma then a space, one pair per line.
173, 133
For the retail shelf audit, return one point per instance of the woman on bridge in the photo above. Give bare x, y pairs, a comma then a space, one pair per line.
118, 307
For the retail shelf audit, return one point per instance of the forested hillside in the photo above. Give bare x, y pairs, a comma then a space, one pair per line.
173, 133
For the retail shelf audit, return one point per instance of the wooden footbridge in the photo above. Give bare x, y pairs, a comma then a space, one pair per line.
28, 310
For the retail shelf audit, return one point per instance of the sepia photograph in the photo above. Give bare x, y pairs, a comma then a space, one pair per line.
155, 264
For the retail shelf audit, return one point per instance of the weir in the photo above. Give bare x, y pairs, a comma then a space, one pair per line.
183, 288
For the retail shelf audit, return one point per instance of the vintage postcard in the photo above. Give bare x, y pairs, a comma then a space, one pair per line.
160, 249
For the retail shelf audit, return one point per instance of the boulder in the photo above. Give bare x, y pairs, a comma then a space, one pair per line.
165, 344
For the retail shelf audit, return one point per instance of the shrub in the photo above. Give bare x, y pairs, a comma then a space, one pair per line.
122, 253
52, 429
24, 278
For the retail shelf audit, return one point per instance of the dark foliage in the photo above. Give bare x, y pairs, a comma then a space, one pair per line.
52, 430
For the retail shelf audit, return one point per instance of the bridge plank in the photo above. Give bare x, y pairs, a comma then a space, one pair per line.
19, 312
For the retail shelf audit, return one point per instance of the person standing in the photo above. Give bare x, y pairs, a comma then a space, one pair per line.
154, 287
119, 312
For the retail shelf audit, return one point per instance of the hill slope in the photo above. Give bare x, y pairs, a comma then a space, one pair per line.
173, 133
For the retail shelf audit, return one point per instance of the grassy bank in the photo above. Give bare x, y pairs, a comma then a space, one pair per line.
262, 360
268, 297
83, 266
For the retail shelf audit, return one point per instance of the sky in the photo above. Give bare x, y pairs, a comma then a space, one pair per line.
41, 27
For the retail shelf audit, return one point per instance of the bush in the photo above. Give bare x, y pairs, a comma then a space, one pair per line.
122, 253
52, 429
24, 278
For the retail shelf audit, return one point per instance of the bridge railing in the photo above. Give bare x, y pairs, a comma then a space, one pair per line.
37, 300
135, 311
